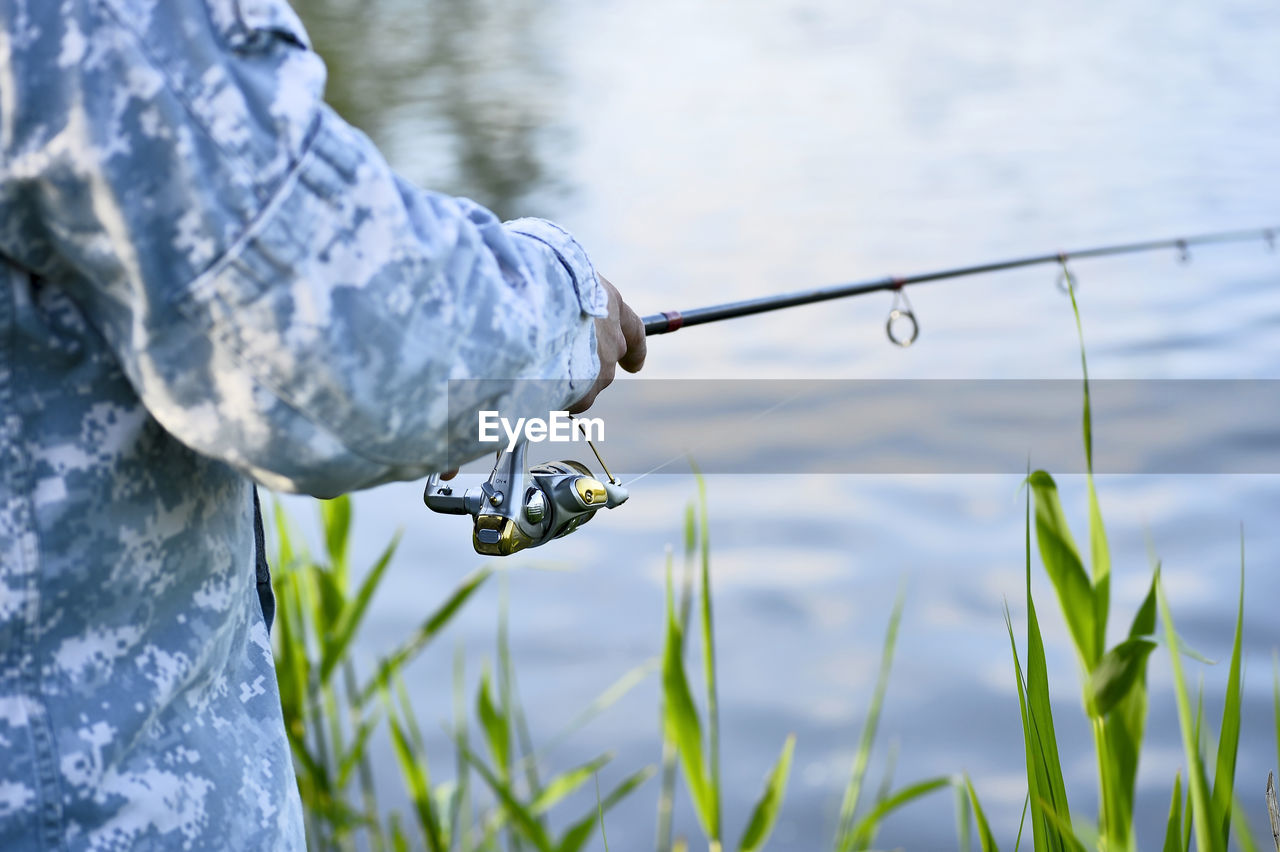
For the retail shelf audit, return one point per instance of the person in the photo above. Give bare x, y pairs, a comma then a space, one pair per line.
207, 280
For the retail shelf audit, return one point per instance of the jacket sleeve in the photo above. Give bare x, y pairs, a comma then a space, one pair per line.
278, 296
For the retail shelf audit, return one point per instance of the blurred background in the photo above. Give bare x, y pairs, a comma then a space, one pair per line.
708, 151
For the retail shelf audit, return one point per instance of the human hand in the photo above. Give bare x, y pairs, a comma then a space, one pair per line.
620, 342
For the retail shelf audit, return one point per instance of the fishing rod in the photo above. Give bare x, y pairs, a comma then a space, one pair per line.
519, 506
671, 321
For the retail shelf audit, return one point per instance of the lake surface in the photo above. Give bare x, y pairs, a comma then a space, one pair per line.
705, 152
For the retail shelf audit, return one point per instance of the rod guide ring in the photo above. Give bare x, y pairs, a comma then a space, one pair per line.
906, 315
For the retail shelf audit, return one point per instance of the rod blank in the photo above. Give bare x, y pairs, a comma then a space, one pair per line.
670, 321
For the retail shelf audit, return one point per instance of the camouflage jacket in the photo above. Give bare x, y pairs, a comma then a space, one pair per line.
208, 278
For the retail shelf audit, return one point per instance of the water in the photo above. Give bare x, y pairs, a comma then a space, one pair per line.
711, 151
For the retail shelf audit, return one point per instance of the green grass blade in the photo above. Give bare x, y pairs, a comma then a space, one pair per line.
1122, 733
1173, 827
1119, 670
1040, 836
399, 842
709, 662
565, 783
682, 724
1022, 821
1099, 552
292, 665
285, 535
765, 813
335, 517
985, 838
690, 564
667, 791
1240, 819
600, 812
1144, 620
417, 781
886, 781
1061, 560
964, 819
1229, 736
335, 731
356, 750
339, 638
901, 798
459, 819
1049, 783
884, 791
496, 727
611, 695
667, 786
1195, 735
368, 793
410, 718
426, 631
1067, 833
311, 773
1100, 556
577, 835
418, 747
1123, 729
509, 693
1048, 796
525, 821
1040, 713
862, 757
628, 786
1087, 423
332, 596
1203, 819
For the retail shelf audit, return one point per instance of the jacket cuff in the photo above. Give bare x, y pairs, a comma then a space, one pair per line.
591, 295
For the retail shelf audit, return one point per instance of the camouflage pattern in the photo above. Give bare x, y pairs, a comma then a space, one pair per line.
206, 277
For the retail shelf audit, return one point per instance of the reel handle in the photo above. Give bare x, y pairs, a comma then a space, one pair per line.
441, 498
617, 495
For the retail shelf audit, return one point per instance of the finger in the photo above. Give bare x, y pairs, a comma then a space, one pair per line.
448, 474
602, 381
615, 299
607, 372
612, 344
637, 345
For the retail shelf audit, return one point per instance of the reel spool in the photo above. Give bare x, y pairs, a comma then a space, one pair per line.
519, 507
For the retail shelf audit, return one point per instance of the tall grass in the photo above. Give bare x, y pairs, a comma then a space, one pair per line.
1114, 689
332, 714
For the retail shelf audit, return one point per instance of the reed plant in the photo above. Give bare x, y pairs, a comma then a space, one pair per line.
1114, 690
698, 755
331, 714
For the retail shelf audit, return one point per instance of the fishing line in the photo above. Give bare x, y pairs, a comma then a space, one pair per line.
686, 453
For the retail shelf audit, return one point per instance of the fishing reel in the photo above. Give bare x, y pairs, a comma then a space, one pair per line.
519, 507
